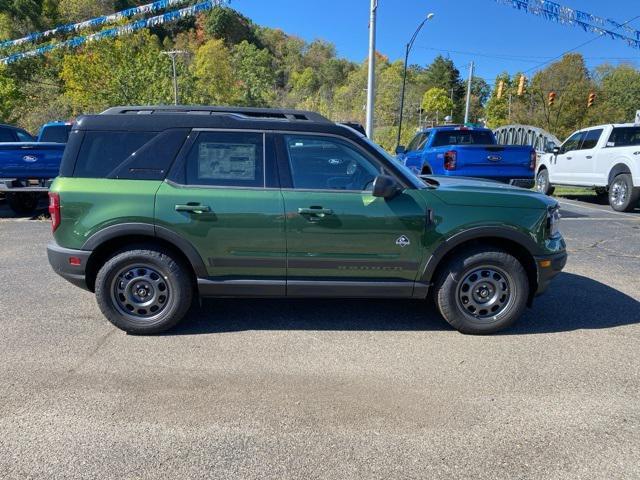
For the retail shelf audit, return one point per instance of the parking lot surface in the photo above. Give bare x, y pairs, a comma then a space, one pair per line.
270, 389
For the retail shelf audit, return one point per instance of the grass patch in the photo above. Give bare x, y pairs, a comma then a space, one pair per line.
564, 191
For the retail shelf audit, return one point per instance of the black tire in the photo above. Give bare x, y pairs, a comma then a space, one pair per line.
503, 277
623, 197
121, 280
23, 203
542, 184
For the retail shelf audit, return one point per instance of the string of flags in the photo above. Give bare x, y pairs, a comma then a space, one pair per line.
568, 16
94, 22
110, 32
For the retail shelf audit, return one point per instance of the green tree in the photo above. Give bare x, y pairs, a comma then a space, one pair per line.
213, 72
253, 69
617, 94
442, 73
437, 102
79, 10
9, 96
497, 109
229, 25
126, 71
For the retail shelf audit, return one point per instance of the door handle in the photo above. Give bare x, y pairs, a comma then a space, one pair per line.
316, 211
589, 157
568, 158
193, 208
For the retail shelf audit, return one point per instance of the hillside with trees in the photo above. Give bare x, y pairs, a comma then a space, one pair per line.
232, 61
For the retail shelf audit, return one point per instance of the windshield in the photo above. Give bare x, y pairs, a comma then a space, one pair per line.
417, 183
56, 133
463, 137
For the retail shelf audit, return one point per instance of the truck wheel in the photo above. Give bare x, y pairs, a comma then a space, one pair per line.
623, 197
144, 291
542, 182
23, 203
482, 290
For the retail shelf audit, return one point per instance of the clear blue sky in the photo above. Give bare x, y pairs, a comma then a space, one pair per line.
501, 37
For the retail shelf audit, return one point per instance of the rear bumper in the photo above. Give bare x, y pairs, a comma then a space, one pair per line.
548, 267
59, 261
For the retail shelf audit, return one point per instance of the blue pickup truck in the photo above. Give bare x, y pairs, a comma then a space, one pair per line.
29, 165
455, 150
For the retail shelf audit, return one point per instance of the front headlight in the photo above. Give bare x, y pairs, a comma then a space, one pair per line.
553, 222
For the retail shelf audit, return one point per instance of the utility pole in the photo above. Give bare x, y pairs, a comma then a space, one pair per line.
468, 106
371, 84
173, 54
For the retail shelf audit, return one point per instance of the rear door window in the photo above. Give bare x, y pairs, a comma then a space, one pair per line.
591, 139
102, 152
624, 137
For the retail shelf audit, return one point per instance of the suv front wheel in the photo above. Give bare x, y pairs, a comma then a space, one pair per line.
144, 291
482, 290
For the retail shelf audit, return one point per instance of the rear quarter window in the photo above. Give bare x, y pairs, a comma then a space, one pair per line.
102, 152
624, 137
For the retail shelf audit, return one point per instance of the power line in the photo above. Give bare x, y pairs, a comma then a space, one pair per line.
580, 46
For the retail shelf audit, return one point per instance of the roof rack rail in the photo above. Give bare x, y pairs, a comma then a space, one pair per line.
243, 112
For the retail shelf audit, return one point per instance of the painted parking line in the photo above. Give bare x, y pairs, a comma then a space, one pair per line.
601, 210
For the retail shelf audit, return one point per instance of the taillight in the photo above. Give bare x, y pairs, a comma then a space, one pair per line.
54, 210
532, 161
450, 160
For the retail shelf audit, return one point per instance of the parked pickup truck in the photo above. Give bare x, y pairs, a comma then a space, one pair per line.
606, 158
27, 167
455, 150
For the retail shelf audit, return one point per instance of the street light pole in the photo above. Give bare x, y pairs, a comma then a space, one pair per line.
371, 82
404, 76
173, 54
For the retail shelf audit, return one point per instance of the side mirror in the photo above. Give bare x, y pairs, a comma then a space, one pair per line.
556, 150
385, 186
401, 149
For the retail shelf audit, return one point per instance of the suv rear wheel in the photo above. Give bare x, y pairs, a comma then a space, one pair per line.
623, 197
482, 290
144, 291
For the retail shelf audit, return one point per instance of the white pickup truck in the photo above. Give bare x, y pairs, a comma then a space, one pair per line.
606, 158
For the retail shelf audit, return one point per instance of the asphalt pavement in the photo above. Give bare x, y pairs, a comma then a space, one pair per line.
274, 389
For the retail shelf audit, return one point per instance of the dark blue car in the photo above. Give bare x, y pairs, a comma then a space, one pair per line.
455, 150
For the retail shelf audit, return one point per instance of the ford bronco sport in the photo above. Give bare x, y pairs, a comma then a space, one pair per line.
156, 205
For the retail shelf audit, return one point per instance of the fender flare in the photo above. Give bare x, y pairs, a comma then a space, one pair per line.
618, 168
145, 229
477, 233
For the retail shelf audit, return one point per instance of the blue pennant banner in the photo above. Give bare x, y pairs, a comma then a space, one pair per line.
117, 31
586, 21
93, 23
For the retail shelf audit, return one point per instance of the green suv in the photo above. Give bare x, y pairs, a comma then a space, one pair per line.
157, 205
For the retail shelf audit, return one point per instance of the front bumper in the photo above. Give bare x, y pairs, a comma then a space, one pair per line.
548, 267
61, 259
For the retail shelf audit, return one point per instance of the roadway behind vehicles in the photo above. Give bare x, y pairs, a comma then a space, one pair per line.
605, 157
455, 150
28, 165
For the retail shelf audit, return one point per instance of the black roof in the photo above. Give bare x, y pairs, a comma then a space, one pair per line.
163, 117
